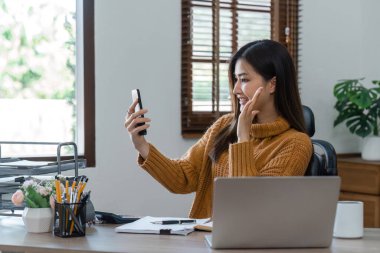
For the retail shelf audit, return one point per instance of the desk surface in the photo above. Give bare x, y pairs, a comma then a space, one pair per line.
102, 238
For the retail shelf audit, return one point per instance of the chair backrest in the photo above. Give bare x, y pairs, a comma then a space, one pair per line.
323, 161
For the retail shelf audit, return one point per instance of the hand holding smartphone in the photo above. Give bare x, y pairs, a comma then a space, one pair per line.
136, 95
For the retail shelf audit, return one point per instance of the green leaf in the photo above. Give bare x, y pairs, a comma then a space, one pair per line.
35, 199
346, 113
3, 6
28, 77
340, 105
359, 125
377, 90
346, 88
341, 90
362, 98
8, 35
30, 203
23, 38
342, 117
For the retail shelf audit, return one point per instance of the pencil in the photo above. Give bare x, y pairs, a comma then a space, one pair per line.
67, 190
81, 189
58, 189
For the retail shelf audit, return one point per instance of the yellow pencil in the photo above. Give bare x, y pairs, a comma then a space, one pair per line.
81, 187
58, 190
67, 190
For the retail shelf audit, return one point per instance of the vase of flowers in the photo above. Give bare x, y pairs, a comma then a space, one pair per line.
38, 214
38, 220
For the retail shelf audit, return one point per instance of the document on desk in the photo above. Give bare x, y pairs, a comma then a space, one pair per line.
148, 225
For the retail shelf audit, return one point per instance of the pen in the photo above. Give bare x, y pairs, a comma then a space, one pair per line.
170, 222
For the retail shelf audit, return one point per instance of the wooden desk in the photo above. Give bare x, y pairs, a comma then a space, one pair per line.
102, 238
361, 181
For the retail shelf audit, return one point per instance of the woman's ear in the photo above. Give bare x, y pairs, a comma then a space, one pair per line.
272, 85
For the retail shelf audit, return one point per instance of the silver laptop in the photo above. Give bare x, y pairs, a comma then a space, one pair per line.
274, 212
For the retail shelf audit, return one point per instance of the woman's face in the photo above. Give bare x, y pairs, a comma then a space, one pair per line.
248, 81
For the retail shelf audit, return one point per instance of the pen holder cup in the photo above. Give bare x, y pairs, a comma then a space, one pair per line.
70, 219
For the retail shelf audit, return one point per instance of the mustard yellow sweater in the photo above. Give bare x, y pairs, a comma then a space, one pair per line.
275, 149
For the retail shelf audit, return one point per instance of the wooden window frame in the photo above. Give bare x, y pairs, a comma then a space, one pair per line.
89, 81
284, 13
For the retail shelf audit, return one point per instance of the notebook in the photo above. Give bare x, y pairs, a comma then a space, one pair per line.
274, 212
146, 225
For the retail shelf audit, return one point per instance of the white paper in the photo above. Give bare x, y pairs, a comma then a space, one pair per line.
25, 163
145, 226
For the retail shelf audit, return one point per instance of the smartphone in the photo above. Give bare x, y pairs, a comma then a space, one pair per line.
136, 95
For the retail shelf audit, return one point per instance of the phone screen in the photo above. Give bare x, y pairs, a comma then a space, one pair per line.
136, 95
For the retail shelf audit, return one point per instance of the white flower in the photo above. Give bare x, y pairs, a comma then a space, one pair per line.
28, 183
42, 190
49, 189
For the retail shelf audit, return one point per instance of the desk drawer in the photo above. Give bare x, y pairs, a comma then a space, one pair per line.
371, 207
361, 178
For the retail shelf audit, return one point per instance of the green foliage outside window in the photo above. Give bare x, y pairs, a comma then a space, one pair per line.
37, 51
29, 68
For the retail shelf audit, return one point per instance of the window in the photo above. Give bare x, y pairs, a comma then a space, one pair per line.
211, 32
47, 76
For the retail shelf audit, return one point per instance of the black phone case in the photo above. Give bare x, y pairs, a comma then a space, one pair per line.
142, 132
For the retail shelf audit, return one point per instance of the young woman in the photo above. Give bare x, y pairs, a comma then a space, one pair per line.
264, 136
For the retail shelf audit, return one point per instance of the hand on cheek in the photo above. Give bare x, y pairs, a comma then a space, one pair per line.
246, 117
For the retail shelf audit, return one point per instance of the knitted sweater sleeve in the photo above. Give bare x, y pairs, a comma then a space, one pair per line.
290, 160
181, 175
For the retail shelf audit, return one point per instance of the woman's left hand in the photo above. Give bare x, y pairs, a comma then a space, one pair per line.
246, 117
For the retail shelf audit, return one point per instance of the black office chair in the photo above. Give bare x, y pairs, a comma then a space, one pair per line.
323, 161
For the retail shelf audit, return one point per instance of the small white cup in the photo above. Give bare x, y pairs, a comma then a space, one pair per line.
349, 219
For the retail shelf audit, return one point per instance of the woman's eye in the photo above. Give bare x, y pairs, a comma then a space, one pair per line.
243, 80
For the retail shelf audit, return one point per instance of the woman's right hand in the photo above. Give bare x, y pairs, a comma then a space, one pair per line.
247, 116
131, 120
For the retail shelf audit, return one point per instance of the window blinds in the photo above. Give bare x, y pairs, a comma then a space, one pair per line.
211, 32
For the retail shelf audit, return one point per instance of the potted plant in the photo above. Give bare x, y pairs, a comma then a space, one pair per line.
36, 194
359, 108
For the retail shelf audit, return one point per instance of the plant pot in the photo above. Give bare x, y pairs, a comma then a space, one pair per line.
371, 148
38, 220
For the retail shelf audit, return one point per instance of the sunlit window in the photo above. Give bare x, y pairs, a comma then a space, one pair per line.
38, 82
248, 21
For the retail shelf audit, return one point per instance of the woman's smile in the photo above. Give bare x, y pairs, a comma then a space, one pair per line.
243, 100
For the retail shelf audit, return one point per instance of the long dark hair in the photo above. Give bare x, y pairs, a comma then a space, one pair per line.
269, 59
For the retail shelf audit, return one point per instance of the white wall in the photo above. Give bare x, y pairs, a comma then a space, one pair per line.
371, 39
338, 41
138, 45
